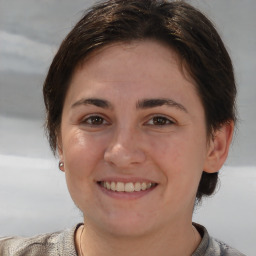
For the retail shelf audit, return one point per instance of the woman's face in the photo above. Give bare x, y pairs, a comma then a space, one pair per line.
132, 121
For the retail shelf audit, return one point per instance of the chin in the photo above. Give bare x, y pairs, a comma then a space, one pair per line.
125, 225
128, 229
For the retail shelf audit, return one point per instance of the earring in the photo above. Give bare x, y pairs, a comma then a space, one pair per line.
61, 165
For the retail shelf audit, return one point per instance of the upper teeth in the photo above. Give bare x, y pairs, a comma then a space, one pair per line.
126, 187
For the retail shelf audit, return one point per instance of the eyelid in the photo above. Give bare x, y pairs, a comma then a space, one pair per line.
87, 117
170, 120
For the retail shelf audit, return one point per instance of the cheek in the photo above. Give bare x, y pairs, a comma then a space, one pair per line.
180, 153
170, 151
81, 153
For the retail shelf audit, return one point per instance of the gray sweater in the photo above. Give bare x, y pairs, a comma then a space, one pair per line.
62, 244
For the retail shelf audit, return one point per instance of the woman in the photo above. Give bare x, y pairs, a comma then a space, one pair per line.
140, 103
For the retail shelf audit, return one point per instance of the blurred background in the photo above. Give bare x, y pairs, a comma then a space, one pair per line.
33, 194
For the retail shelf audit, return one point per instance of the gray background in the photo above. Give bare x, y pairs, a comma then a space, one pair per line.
33, 196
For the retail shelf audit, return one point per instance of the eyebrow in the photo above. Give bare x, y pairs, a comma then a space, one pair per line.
152, 103
141, 104
93, 101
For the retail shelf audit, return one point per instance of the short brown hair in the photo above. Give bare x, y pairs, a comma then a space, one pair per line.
177, 24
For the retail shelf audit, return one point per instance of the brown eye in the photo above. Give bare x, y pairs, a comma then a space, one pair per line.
94, 120
160, 120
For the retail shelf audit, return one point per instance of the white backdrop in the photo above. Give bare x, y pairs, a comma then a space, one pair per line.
33, 194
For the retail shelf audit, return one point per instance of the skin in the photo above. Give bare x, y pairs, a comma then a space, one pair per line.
122, 138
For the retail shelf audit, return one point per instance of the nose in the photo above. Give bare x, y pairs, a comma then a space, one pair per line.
125, 150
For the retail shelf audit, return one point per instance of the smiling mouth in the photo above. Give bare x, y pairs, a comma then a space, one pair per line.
128, 187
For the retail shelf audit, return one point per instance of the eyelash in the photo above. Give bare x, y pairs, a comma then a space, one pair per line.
162, 121
94, 118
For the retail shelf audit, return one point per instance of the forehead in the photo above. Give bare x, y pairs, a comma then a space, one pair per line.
124, 74
134, 58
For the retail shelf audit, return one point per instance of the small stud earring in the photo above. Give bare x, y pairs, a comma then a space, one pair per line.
61, 165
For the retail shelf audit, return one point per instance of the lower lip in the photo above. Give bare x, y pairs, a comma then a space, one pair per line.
126, 195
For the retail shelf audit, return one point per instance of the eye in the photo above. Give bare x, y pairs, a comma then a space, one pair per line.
94, 120
160, 121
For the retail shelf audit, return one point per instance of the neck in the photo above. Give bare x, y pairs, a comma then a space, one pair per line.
177, 240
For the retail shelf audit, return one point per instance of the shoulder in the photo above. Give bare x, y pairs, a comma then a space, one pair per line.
210, 246
220, 248
58, 243
37, 245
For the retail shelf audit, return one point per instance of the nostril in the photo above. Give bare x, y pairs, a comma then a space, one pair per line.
124, 157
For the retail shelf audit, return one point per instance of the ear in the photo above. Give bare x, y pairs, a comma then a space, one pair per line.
219, 147
60, 152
